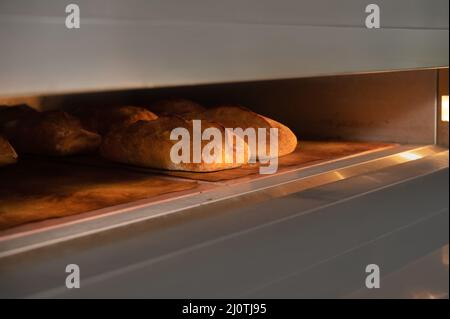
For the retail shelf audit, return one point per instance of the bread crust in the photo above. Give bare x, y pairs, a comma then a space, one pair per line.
53, 133
232, 116
103, 119
9, 114
176, 106
148, 144
7, 153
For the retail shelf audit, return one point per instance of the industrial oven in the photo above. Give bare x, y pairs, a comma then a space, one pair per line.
367, 184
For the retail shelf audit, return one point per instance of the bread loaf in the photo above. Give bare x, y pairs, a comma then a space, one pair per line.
51, 133
180, 107
10, 114
103, 119
7, 153
148, 144
239, 117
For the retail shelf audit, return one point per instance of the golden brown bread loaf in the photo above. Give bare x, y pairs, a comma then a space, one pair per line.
175, 106
235, 116
51, 133
7, 153
14, 113
103, 119
148, 144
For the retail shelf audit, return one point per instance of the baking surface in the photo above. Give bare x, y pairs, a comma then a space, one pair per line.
38, 190
307, 153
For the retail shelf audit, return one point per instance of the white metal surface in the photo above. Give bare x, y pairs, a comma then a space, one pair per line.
414, 13
155, 44
425, 278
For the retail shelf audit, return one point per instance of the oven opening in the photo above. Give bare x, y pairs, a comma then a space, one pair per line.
345, 125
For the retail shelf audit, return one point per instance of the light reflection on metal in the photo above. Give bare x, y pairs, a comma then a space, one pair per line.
428, 295
339, 175
410, 156
444, 108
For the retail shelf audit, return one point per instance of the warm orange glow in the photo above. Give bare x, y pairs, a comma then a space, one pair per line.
444, 108
428, 295
339, 175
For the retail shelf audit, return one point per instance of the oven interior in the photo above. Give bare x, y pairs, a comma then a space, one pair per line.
355, 118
